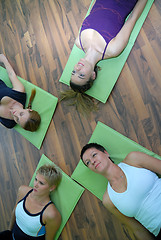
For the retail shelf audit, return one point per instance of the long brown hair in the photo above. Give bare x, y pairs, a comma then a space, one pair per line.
34, 118
83, 103
77, 96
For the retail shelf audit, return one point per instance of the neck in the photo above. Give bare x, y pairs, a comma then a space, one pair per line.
41, 199
92, 56
14, 105
113, 173
17, 105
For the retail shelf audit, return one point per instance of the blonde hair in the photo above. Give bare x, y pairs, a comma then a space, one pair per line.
34, 118
83, 103
77, 96
51, 173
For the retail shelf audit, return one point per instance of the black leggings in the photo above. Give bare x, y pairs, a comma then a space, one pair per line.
6, 235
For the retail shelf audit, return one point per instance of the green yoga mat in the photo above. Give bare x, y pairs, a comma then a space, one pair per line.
65, 197
118, 146
111, 68
44, 102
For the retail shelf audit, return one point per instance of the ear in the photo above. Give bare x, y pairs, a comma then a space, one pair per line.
106, 153
93, 75
52, 188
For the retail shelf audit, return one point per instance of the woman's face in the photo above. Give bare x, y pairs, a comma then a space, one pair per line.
41, 186
96, 160
20, 116
82, 72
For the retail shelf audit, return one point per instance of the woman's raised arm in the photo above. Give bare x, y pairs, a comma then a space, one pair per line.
17, 85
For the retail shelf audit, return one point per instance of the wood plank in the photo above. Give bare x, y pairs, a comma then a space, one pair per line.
37, 37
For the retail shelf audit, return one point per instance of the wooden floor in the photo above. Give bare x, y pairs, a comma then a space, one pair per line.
37, 36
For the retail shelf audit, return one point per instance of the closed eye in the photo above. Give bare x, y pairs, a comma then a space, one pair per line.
87, 163
21, 114
17, 119
41, 183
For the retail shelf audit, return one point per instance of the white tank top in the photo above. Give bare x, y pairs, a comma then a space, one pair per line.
30, 224
142, 199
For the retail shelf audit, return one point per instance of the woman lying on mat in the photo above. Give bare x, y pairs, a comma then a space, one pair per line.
35, 216
104, 34
12, 103
134, 189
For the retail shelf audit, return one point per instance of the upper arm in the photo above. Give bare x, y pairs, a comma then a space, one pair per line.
17, 85
53, 221
22, 191
131, 223
117, 44
112, 209
77, 42
143, 160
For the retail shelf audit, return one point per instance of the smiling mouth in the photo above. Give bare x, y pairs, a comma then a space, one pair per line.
13, 112
80, 64
97, 165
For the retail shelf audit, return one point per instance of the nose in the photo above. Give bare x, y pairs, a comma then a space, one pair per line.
36, 184
78, 67
93, 161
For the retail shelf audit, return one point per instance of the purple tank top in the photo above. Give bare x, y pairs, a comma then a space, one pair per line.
107, 18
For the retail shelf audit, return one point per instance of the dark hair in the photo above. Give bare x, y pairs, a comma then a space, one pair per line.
34, 120
83, 88
92, 145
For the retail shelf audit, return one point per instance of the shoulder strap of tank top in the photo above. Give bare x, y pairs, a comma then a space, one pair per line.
104, 51
50, 202
26, 195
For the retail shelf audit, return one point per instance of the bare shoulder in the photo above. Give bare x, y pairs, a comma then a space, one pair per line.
115, 47
52, 213
130, 156
23, 190
144, 160
52, 220
77, 42
134, 158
